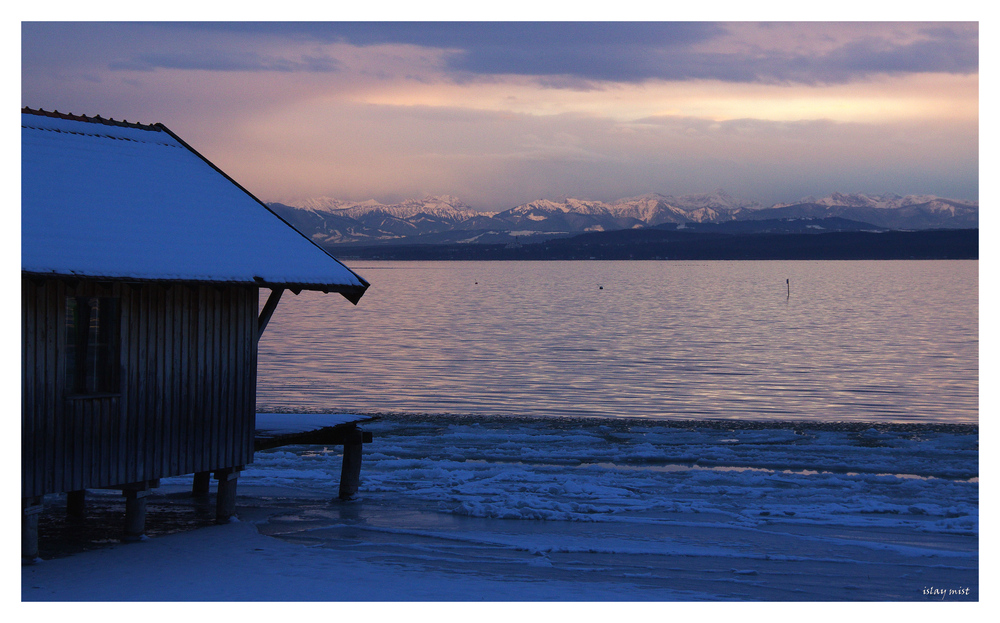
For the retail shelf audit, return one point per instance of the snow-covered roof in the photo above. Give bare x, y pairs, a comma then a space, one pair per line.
117, 200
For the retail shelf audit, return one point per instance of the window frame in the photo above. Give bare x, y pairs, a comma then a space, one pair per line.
96, 373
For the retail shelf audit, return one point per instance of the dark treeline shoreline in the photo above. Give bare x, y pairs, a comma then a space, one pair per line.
655, 244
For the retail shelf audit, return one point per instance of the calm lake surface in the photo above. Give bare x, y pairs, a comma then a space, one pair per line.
854, 341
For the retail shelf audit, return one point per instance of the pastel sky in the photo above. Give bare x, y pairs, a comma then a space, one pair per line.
499, 113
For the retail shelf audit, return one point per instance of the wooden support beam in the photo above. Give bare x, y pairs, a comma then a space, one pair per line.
225, 499
326, 436
350, 471
31, 508
201, 484
76, 503
269, 306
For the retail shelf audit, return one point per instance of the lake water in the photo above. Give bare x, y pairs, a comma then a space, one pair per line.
850, 341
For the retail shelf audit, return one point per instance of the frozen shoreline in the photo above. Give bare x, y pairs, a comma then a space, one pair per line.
536, 510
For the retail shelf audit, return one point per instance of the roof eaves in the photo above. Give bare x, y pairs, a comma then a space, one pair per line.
351, 293
55, 114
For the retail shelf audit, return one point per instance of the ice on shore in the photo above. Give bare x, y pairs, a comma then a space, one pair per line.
598, 471
463, 509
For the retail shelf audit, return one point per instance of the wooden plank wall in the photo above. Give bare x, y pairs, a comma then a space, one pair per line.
188, 386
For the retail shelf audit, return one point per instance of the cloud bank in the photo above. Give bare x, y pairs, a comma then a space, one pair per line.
498, 113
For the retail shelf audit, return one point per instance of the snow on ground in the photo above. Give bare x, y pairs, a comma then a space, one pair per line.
469, 509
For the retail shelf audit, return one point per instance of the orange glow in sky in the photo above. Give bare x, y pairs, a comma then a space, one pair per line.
501, 113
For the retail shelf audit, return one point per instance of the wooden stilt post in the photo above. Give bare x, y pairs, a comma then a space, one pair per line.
31, 508
76, 503
135, 510
225, 501
350, 471
201, 484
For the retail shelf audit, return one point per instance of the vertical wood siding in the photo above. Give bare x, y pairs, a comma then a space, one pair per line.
187, 394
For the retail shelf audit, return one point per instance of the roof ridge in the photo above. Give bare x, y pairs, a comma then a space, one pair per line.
158, 127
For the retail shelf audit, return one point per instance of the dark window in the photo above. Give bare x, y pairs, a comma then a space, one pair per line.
92, 357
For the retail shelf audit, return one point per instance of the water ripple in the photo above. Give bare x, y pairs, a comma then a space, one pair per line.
665, 340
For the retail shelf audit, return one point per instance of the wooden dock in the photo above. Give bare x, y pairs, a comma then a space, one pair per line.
274, 430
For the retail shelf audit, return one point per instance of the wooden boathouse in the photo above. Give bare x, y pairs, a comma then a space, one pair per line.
141, 270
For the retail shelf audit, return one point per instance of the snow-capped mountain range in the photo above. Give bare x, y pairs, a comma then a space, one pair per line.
446, 219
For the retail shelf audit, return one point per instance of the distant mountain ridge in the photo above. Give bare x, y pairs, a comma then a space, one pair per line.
446, 219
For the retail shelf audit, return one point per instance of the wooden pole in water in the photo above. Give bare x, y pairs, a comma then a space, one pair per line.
201, 484
135, 510
225, 495
76, 503
31, 508
350, 471
789, 286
